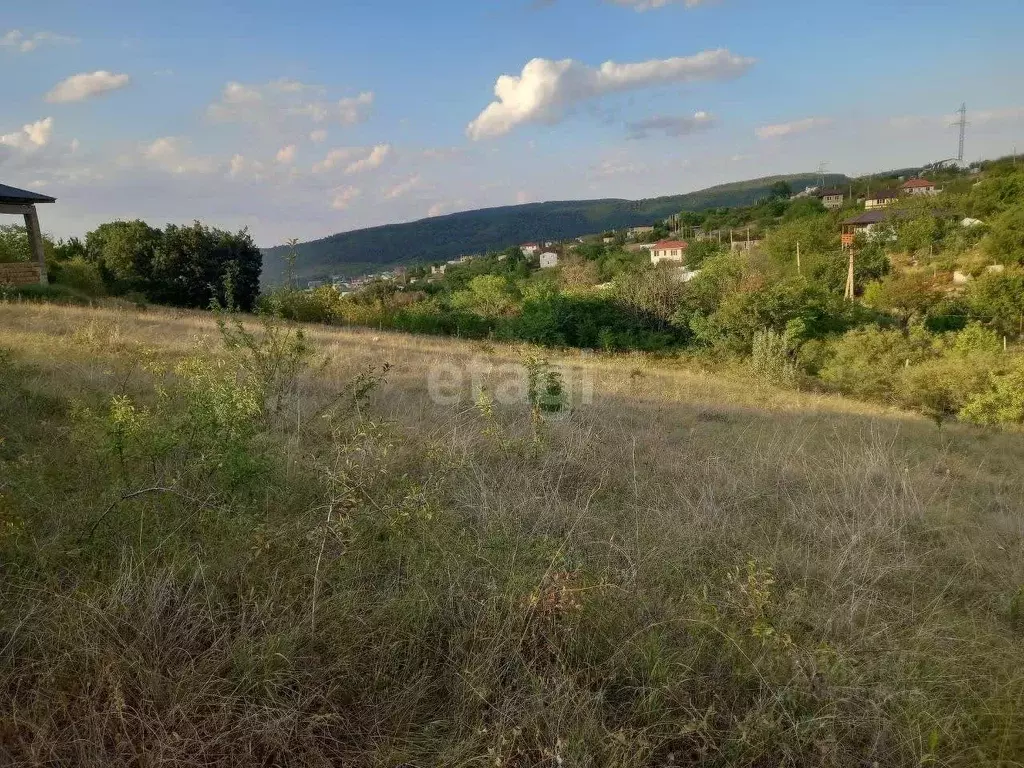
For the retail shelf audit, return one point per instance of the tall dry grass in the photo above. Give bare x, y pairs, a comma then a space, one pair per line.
688, 570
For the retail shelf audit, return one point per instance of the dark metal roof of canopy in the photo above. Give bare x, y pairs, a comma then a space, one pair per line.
15, 196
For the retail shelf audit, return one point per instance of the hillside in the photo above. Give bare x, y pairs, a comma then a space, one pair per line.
224, 561
445, 237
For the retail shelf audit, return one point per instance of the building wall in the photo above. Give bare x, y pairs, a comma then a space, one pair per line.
666, 254
870, 205
548, 260
19, 273
832, 202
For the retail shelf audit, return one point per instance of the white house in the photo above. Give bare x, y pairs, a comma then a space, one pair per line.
548, 259
881, 199
668, 250
529, 249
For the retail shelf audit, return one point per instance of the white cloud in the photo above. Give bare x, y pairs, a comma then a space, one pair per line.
240, 166
797, 126
169, 154
18, 41
333, 159
522, 197
86, 85
437, 209
31, 135
403, 188
647, 5
669, 125
318, 136
286, 155
546, 88
374, 159
281, 100
609, 168
343, 197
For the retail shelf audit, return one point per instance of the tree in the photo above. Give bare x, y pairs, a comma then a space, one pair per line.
578, 273
487, 295
124, 251
196, 265
780, 189
999, 300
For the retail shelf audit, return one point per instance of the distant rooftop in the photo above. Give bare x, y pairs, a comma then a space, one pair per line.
15, 196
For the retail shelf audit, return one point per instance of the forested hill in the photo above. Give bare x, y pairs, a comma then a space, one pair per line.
445, 237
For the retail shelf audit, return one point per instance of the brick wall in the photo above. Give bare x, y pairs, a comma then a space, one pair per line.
19, 273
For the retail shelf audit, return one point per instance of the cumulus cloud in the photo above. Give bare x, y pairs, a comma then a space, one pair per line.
343, 197
31, 135
169, 154
402, 188
286, 155
546, 88
281, 100
670, 125
241, 166
86, 85
376, 157
333, 159
437, 209
797, 126
17, 40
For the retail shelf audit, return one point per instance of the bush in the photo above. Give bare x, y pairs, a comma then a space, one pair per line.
79, 274
1001, 403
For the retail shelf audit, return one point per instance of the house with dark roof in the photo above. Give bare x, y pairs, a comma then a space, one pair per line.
881, 199
831, 198
862, 224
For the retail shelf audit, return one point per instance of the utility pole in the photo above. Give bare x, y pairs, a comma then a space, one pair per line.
849, 279
798, 270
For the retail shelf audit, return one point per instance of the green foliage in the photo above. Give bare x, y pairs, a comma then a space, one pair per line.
490, 296
867, 362
771, 358
125, 251
1002, 403
998, 298
1005, 241
80, 275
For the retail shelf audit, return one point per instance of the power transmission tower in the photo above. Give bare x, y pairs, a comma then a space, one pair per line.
963, 132
822, 167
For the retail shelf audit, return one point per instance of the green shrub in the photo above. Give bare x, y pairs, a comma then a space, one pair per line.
1001, 403
79, 274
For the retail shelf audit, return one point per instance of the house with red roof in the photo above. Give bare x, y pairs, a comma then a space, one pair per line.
919, 187
669, 250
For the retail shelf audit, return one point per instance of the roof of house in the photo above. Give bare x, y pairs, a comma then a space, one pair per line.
662, 244
871, 217
918, 184
830, 192
15, 196
884, 194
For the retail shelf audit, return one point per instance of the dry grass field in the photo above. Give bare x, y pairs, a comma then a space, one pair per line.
237, 554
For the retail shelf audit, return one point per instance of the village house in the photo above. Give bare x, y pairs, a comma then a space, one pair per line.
529, 249
832, 198
638, 232
864, 223
548, 259
919, 187
881, 199
668, 250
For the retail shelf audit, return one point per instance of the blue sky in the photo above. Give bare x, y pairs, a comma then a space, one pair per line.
303, 118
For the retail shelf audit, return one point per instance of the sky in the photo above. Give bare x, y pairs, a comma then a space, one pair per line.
302, 118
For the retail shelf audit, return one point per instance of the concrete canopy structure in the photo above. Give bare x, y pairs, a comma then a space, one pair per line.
22, 202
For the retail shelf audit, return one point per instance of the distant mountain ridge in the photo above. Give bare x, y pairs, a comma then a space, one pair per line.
445, 237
